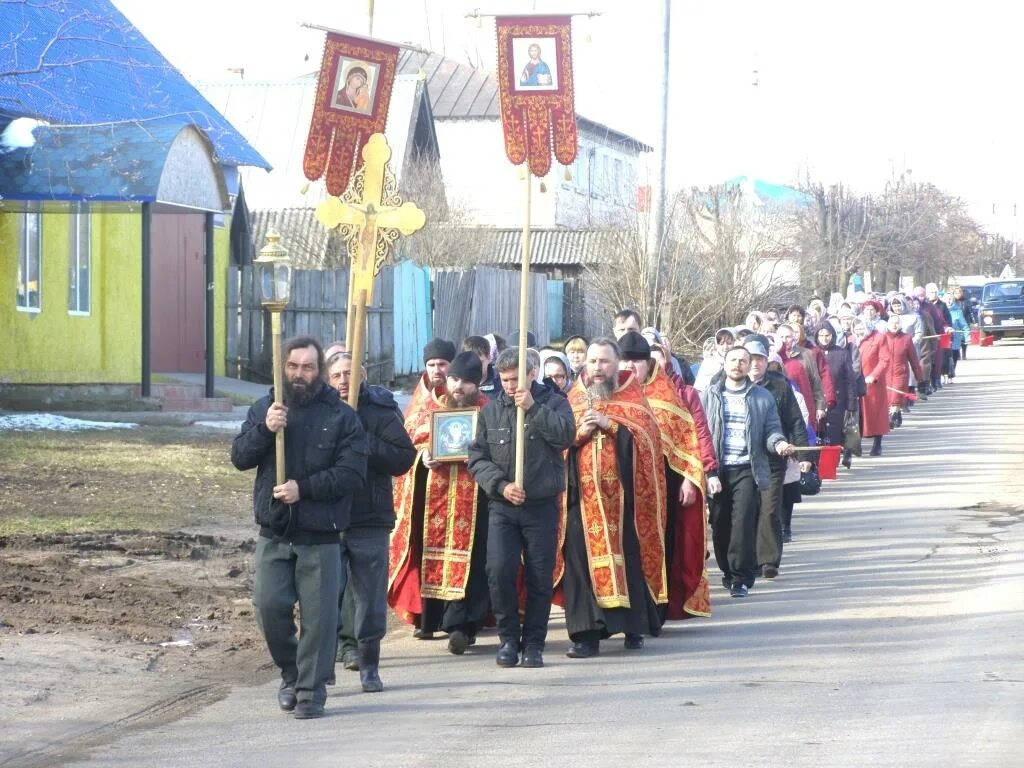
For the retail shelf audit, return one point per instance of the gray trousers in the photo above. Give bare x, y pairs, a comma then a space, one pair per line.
312, 576
363, 615
769, 521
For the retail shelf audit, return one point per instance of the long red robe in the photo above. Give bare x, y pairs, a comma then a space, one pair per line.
874, 406
688, 593
601, 495
432, 544
902, 360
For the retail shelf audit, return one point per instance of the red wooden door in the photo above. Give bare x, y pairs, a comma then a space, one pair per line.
177, 303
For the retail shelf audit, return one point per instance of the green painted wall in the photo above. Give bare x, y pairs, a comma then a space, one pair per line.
54, 347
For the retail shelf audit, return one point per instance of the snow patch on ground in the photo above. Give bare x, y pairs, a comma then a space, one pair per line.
30, 422
234, 426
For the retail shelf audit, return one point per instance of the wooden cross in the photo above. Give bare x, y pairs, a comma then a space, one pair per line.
371, 215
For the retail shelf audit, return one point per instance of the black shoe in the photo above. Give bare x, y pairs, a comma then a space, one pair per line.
307, 710
422, 634
787, 536
584, 650
369, 679
769, 571
533, 658
738, 590
457, 642
876, 449
332, 680
847, 459
508, 655
633, 642
286, 697
727, 582
350, 659
899, 418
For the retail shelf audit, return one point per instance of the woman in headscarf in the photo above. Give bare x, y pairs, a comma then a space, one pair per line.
844, 383
911, 325
902, 360
874, 405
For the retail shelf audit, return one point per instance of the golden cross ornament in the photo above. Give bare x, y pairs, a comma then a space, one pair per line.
371, 215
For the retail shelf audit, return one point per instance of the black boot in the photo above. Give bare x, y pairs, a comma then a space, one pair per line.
369, 660
876, 449
847, 458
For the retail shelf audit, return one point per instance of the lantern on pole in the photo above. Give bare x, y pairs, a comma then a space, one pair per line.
274, 278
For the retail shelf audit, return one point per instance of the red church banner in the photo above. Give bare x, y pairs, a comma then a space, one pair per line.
535, 82
352, 97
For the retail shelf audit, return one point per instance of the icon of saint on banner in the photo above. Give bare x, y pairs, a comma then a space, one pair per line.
355, 86
535, 72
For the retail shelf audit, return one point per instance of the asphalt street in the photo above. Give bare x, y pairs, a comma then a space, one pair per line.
893, 637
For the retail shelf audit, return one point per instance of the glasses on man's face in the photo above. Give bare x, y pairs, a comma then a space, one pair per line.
558, 377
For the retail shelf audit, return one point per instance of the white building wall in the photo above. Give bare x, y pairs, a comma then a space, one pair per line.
480, 179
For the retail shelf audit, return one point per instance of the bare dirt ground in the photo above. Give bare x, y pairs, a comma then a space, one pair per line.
106, 628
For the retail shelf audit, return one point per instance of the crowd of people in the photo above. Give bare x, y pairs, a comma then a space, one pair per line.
629, 451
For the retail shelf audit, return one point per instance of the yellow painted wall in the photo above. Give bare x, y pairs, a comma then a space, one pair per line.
53, 347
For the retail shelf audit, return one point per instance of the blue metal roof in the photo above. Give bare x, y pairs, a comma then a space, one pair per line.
111, 163
84, 63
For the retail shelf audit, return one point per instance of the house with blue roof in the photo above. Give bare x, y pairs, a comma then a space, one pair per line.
117, 183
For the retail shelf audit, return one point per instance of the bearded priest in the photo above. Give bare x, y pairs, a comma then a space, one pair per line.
614, 550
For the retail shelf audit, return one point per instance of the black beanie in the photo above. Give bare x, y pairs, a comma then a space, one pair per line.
466, 366
531, 340
634, 346
439, 349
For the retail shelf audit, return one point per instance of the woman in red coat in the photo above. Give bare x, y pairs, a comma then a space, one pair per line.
902, 360
874, 362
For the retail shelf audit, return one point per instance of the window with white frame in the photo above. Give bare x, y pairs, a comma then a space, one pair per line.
80, 264
30, 262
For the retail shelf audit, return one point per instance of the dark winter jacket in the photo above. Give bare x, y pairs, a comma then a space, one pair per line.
790, 416
325, 451
550, 430
764, 431
391, 454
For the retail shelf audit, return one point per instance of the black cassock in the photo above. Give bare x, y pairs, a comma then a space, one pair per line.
584, 618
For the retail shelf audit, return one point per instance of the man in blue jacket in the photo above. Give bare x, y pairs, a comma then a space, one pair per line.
523, 520
298, 554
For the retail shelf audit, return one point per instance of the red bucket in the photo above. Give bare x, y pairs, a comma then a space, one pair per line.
828, 461
946, 340
975, 336
986, 340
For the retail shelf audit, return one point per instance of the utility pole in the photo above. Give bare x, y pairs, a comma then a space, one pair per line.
662, 154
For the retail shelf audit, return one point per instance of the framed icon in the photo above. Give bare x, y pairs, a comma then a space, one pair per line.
355, 87
451, 432
535, 63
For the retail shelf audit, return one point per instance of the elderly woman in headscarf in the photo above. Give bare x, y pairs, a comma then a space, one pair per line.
874, 362
844, 384
903, 362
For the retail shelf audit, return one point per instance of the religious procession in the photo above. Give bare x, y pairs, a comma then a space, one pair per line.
600, 475
471, 527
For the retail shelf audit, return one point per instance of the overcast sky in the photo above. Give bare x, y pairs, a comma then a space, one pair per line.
850, 92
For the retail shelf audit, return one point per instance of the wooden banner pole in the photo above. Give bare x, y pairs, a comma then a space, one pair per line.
275, 341
524, 316
350, 313
358, 343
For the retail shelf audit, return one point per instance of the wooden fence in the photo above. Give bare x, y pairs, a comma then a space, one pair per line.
485, 300
318, 309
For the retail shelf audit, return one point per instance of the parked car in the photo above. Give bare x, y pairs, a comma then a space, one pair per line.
1001, 311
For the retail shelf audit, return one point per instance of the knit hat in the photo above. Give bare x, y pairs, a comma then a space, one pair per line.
531, 340
634, 346
439, 349
466, 366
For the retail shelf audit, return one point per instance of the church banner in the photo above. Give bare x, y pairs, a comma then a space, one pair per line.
535, 83
352, 97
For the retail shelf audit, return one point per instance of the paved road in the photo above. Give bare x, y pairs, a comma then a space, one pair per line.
893, 637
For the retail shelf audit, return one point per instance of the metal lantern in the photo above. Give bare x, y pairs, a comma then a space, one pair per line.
274, 273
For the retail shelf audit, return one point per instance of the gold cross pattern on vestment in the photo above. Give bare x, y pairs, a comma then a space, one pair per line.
371, 215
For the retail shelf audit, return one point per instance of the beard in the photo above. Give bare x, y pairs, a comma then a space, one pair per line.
464, 400
601, 390
298, 392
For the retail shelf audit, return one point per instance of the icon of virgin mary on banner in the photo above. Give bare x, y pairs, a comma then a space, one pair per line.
535, 83
352, 97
